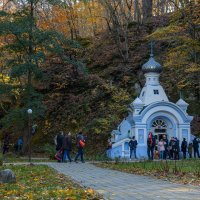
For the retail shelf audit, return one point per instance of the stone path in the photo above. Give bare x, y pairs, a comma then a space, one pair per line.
122, 186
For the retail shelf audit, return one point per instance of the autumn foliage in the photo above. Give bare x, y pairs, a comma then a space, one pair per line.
84, 60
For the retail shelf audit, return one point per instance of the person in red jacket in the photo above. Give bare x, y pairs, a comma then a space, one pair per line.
80, 145
150, 146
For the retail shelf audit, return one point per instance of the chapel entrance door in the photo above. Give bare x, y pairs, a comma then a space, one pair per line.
160, 130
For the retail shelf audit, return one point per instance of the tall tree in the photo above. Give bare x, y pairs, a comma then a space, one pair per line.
147, 6
24, 52
119, 16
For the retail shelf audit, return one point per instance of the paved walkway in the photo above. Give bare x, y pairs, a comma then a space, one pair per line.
122, 186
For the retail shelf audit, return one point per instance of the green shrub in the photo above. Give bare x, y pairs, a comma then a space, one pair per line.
117, 160
50, 150
1, 159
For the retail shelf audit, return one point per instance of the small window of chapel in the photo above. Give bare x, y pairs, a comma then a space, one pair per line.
155, 91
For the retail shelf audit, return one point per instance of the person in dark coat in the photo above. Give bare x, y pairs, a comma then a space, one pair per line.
166, 142
6, 143
175, 148
196, 147
67, 146
178, 148
151, 142
184, 147
79, 139
170, 150
59, 140
133, 145
190, 146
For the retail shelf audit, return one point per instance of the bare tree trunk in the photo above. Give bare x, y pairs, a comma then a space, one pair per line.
162, 6
147, 6
137, 11
119, 15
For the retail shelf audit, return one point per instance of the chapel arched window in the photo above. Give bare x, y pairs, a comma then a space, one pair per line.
159, 123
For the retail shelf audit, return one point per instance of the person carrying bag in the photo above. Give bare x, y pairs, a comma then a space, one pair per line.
59, 155
80, 145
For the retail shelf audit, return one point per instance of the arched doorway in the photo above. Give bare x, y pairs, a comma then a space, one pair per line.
159, 127
162, 123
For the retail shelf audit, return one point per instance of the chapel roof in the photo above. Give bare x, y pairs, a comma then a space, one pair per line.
152, 66
181, 102
116, 132
137, 101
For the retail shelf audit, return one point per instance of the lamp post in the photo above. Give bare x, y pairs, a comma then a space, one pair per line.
29, 111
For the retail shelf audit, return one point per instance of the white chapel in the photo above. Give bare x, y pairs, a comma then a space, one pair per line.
151, 112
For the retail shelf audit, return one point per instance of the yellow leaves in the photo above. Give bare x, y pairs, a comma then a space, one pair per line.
193, 67
184, 61
126, 79
29, 195
120, 95
5, 78
82, 17
166, 33
11, 192
181, 84
47, 124
54, 185
97, 131
91, 191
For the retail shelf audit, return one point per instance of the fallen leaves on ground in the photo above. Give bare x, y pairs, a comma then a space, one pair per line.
42, 182
183, 171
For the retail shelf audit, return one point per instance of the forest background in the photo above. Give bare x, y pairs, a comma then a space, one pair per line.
77, 64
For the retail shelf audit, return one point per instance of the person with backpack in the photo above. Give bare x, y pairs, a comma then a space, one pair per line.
150, 146
80, 145
184, 147
133, 145
67, 146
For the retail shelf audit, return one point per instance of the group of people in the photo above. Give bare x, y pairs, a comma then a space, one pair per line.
159, 149
6, 144
170, 149
64, 146
164, 149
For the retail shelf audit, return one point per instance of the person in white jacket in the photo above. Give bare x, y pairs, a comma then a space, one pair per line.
161, 148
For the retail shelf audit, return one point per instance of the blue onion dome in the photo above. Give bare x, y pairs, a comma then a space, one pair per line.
152, 66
